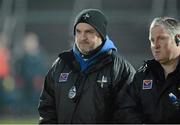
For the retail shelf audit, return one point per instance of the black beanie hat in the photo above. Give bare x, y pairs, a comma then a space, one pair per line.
95, 18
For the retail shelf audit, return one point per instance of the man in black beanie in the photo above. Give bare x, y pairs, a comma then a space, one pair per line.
86, 83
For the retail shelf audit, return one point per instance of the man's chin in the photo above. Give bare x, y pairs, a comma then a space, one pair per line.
159, 60
85, 52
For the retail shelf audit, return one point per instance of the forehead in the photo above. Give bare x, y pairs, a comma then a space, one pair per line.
84, 26
159, 29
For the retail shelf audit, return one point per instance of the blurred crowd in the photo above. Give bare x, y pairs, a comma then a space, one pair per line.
21, 77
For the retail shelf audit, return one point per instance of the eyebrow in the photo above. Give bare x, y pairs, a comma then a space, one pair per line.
88, 30
91, 30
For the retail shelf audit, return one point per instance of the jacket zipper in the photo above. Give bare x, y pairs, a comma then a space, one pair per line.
79, 92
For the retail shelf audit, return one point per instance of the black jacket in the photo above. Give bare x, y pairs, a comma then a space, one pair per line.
98, 90
148, 98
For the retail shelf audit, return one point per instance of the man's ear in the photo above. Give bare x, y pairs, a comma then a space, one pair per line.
177, 39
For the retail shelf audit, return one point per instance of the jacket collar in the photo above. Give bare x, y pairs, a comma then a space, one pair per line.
85, 63
101, 60
158, 70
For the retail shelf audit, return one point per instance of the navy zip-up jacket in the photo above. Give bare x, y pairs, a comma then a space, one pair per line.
92, 95
148, 97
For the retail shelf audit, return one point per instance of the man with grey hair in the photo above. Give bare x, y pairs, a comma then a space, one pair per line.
153, 96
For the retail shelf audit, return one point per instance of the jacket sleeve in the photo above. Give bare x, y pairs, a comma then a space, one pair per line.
47, 107
123, 103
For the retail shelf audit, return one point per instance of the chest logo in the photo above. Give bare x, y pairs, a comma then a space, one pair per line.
85, 16
72, 92
63, 77
102, 81
147, 84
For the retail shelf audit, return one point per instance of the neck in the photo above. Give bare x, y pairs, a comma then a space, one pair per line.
170, 66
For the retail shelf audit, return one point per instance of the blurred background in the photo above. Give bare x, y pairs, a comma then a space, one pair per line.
34, 32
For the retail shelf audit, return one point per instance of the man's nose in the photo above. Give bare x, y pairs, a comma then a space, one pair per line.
156, 45
83, 36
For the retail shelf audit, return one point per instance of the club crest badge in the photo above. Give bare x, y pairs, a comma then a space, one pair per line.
147, 84
63, 77
102, 81
85, 16
72, 92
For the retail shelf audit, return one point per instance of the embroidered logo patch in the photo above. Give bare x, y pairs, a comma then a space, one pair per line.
63, 77
147, 84
85, 16
102, 81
